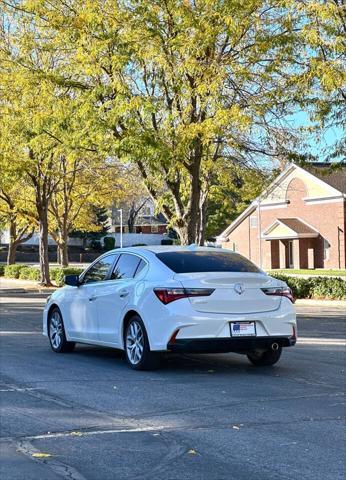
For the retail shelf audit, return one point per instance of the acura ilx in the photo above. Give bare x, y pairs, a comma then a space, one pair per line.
149, 300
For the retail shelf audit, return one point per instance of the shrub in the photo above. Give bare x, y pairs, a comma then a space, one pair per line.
317, 287
61, 272
109, 243
12, 271
53, 272
34, 274
96, 245
329, 287
167, 241
2, 270
24, 273
29, 273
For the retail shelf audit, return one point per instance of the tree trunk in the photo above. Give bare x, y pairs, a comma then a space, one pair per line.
62, 248
131, 219
12, 250
43, 247
13, 244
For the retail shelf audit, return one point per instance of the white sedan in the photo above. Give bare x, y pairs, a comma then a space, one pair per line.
148, 300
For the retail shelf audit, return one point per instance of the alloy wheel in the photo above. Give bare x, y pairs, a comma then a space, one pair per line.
134, 342
56, 330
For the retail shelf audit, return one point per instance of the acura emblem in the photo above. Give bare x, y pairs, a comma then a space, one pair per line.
239, 288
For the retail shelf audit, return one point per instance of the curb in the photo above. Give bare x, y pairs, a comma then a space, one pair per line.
309, 302
11, 291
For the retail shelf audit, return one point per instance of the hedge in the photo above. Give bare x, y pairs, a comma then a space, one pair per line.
12, 271
25, 272
333, 288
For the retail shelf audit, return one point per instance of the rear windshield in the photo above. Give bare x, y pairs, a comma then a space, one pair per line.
202, 261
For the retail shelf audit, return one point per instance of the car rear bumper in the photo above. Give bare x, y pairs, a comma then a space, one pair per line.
223, 345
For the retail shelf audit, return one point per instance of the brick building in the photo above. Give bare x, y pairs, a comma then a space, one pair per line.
299, 221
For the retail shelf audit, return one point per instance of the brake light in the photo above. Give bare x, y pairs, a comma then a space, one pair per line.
279, 291
168, 295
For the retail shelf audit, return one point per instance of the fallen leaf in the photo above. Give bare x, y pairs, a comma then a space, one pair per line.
211, 371
156, 434
114, 387
192, 452
76, 434
41, 455
236, 427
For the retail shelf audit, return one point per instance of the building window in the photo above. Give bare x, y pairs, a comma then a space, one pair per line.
154, 229
253, 222
326, 249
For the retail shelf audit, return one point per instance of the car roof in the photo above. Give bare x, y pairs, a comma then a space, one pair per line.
166, 248
173, 248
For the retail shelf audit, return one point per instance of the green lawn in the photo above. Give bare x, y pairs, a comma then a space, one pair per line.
318, 272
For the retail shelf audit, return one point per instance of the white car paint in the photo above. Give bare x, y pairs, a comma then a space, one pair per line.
94, 313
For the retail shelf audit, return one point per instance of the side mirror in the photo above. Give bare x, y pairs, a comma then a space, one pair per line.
72, 280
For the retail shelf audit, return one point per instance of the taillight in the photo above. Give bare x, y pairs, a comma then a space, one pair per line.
168, 295
279, 291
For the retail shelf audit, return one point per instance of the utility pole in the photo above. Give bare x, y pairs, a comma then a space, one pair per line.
259, 230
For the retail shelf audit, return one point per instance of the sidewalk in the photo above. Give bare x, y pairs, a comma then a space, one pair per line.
12, 285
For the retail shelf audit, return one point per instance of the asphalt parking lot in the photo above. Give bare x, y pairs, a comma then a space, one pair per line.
86, 415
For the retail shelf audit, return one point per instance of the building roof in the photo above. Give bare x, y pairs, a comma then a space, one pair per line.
332, 174
142, 220
283, 228
297, 225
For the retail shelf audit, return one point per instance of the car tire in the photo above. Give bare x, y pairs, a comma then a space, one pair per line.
137, 348
265, 358
56, 333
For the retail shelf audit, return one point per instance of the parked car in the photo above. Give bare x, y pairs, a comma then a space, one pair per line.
149, 300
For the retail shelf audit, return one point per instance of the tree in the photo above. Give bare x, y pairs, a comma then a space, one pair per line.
324, 34
32, 109
21, 229
15, 199
233, 188
87, 184
180, 87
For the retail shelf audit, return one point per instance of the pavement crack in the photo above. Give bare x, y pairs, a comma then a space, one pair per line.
60, 468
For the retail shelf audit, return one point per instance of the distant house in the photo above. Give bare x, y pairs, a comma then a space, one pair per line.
145, 221
299, 221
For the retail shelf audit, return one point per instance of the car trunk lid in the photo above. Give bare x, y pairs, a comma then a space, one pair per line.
233, 292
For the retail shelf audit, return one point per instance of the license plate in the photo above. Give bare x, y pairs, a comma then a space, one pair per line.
243, 329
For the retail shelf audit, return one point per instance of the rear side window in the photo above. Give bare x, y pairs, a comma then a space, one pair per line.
202, 261
140, 267
125, 267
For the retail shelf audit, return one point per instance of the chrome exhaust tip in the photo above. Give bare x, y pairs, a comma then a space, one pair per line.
275, 346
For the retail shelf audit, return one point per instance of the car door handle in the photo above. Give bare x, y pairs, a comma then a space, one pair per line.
123, 293
91, 299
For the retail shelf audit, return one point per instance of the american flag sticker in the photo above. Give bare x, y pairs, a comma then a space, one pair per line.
243, 329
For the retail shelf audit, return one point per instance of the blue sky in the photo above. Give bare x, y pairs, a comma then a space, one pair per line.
317, 143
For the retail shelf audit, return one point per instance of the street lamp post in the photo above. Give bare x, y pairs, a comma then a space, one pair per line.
121, 227
259, 230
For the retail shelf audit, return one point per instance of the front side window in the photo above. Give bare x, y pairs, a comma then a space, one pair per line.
126, 267
202, 261
99, 271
